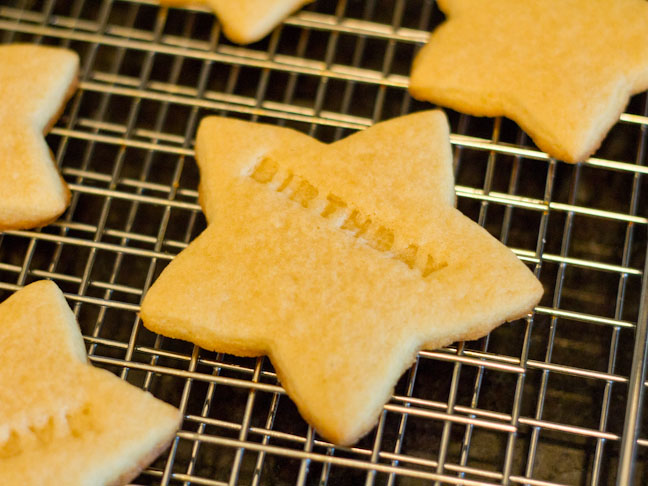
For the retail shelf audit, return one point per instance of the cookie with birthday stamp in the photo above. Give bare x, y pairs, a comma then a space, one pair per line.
339, 261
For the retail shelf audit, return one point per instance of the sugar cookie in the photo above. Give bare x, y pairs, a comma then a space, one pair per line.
562, 69
247, 21
338, 261
35, 82
63, 421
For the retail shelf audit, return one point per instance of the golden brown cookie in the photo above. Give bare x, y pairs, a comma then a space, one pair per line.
35, 82
63, 421
246, 21
562, 69
338, 261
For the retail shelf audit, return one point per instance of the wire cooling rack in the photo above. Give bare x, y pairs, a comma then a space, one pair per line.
549, 400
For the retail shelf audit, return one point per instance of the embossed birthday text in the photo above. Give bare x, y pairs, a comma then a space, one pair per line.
377, 236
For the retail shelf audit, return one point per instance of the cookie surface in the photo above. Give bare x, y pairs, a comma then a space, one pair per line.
35, 82
62, 421
338, 261
246, 21
563, 69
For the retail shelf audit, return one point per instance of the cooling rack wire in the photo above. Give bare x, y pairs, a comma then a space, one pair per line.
553, 399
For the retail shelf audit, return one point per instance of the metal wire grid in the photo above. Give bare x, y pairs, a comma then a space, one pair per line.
540, 401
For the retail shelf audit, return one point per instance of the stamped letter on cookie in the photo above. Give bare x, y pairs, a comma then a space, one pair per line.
63, 421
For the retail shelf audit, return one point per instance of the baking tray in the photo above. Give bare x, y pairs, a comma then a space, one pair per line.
554, 399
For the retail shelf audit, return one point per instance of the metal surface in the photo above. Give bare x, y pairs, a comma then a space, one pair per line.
541, 401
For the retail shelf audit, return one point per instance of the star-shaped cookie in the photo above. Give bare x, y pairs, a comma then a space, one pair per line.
562, 69
62, 421
35, 82
247, 21
338, 261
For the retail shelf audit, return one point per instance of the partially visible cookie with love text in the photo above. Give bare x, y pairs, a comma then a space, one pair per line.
564, 70
35, 82
337, 261
246, 21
